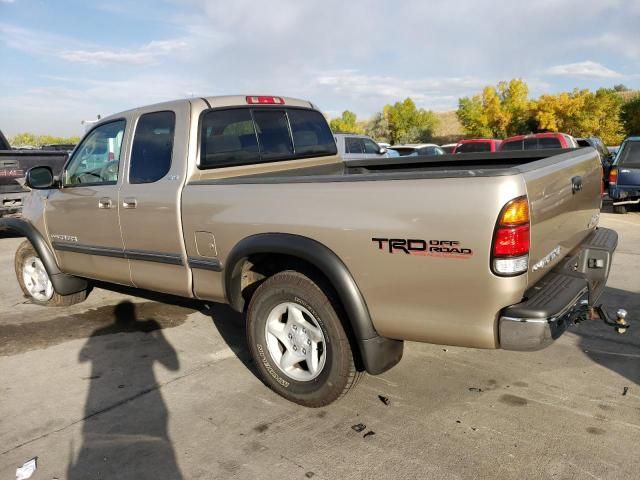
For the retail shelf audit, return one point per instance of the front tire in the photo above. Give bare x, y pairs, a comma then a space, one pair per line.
298, 342
35, 282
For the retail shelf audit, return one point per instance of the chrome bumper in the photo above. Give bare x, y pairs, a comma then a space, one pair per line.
545, 313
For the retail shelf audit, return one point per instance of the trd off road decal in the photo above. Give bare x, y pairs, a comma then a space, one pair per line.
427, 248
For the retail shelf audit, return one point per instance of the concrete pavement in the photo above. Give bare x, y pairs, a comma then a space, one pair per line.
127, 385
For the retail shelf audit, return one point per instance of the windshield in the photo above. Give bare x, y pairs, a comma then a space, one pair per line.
629, 155
474, 147
404, 151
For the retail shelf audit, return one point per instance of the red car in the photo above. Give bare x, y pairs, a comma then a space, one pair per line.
538, 141
475, 145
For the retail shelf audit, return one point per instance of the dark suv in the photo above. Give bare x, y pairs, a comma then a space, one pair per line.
624, 178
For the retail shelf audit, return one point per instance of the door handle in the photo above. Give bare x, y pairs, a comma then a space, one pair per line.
129, 203
105, 202
576, 184
624, 170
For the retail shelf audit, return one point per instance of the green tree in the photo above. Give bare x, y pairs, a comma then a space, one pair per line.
473, 118
630, 116
500, 111
346, 123
378, 128
582, 113
23, 139
407, 123
30, 139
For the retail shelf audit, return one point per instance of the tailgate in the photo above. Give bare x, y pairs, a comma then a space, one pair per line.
564, 197
15, 163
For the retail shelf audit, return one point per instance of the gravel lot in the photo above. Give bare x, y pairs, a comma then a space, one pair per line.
129, 385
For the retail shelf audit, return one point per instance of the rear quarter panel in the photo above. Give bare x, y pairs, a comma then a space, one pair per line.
433, 299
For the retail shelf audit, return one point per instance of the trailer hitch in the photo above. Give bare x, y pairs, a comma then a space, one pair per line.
598, 312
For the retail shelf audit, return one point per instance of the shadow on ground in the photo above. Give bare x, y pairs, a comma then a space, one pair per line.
126, 442
601, 343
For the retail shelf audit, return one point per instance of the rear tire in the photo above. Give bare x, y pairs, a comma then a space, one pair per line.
35, 282
619, 209
298, 342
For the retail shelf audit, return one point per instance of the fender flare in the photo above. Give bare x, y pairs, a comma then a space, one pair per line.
378, 353
63, 284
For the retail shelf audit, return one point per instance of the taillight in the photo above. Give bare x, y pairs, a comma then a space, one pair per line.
264, 100
512, 239
613, 176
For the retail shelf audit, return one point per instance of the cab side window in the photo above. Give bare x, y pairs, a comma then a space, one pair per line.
370, 146
152, 147
96, 161
354, 145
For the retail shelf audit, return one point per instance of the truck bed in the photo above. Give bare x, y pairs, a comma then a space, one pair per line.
404, 168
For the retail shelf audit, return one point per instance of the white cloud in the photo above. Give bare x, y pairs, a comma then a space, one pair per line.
70, 49
144, 55
7, 1
433, 92
583, 69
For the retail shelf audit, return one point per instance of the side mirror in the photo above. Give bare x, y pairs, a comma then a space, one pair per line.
39, 178
382, 151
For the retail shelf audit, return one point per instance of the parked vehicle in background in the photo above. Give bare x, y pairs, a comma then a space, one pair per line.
13, 167
391, 153
4, 144
448, 147
415, 149
538, 141
477, 145
606, 157
59, 147
358, 147
624, 177
613, 149
334, 263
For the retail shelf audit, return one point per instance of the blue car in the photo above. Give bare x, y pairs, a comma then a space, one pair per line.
624, 178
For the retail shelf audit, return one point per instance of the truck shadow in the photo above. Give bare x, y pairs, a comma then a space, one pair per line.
601, 343
229, 323
125, 425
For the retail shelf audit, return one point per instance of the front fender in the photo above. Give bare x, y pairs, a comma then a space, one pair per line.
63, 284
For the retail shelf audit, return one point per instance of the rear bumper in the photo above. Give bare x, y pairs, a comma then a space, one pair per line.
623, 194
544, 314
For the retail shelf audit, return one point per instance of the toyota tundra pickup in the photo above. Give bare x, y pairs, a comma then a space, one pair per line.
245, 201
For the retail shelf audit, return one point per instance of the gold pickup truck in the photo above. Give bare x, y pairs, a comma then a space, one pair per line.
244, 200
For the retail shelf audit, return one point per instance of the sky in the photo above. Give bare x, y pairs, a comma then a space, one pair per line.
65, 61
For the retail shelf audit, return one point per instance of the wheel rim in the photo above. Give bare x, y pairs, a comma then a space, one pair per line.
36, 279
295, 341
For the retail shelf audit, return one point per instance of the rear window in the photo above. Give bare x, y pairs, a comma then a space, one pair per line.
243, 136
474, 147
629, 155
511, 146
549, 142
404, 151
273, 134
311, 134
429, 151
